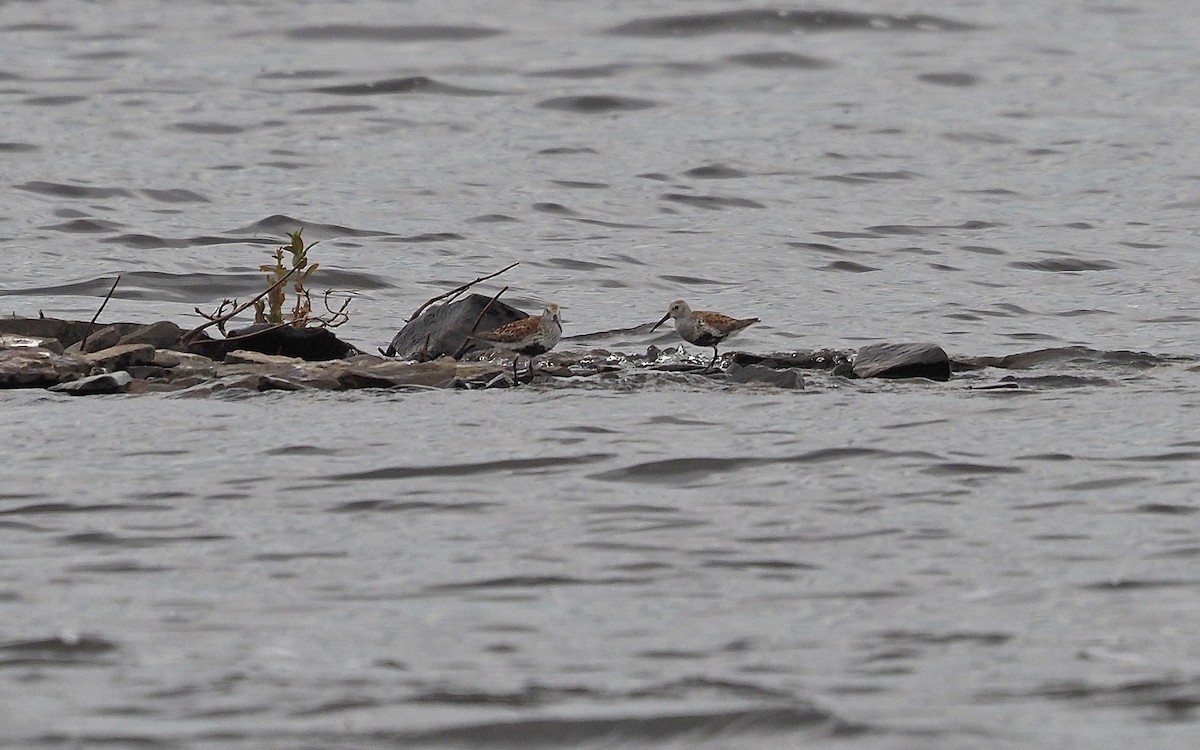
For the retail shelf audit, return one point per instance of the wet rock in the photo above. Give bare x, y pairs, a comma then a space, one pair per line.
253, 382
170, 359
374, 372
122, 357
311, 344
12, 341
109, 382
67, 332
98, 339
442, 330
241, 356
161, 335
788, 377
39, 368
902, 361
819, 359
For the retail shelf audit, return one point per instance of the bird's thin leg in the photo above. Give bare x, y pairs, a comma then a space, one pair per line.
516, 359
714, 360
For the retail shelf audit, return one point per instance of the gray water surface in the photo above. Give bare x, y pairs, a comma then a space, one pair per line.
661, 562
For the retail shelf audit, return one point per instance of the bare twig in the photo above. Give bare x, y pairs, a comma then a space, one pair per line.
186, 339
252, 334
423, 355
458, 290
467, 341
88, 331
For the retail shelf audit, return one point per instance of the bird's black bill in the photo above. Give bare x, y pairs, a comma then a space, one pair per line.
664, 320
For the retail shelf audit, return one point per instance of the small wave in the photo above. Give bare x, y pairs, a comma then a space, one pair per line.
63, 190
674, 470
957, 80
53, 101
16, 147
106, 539
715, 172
174, 195
769, 21
590, 71
1059, 265
344, 32
711, 202
280, 224
409, 85
209, 128
596, 104
779, 59
636, 730
410, 506
84, 226
845, 265
539, 465
58, 650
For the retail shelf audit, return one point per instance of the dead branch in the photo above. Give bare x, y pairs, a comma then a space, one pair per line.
88, 331
467, 341
186, 339
459, 290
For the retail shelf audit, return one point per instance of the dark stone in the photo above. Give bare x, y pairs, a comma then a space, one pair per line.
820, 359
442, 330
101, 338
109, 382
312, 344
161, 335
789, 377
902, 361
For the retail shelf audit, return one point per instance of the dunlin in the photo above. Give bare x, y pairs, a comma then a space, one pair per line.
529, 336
702, 327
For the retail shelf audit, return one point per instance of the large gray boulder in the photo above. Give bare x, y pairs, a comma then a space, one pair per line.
902, 361
442, 330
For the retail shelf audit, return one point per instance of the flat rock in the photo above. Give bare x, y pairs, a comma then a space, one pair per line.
161, 335
169, 358
242, 356
442, 330
788, 377
902, 361
39, 368
250, 382
109, 382
13, 341
98, 339
384, 373
122, 357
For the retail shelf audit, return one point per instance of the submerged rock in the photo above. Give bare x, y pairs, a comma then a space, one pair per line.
109, 382
902, 361
787, 377
442, 330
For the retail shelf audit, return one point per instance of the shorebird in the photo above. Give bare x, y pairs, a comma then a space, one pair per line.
529, 336
702, 327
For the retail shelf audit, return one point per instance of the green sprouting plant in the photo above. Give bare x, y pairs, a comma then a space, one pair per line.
269, 304
270, 309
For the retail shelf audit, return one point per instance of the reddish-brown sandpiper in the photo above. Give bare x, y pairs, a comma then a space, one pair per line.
529, 336
702, 327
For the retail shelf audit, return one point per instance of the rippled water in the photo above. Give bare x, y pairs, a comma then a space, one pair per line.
862, 564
